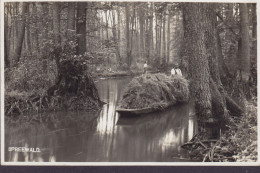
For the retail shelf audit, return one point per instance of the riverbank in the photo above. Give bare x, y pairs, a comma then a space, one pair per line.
18, 102
238, 143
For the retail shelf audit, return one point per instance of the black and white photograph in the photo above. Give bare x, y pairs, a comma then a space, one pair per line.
129, 83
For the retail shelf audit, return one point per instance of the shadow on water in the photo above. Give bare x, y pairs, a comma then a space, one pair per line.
104, 135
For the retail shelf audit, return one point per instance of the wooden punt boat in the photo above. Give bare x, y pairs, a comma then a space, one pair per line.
141, 111
135, 111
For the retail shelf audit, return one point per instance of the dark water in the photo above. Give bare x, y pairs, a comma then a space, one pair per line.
104, 136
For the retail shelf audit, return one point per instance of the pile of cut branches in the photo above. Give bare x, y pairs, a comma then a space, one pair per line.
155, 90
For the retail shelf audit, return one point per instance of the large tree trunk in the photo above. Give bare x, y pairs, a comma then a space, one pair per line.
75, 89
197, 53
201, 42
20, 36
81, 27
254, 49
254, 29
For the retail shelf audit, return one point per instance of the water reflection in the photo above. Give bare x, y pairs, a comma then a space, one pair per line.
105, 135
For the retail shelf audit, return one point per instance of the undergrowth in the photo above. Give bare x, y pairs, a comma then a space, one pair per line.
238, 143
241, 137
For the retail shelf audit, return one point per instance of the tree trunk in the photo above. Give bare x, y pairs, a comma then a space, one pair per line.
118, 30
28, 33
254, 21
45, 13
164, 40
40, 26
196, 51
200, 41
160, 41
20, 36
128, 48
150, 33
34, 31
71, 15
168, 39
81, 27
141, 25
6, 39
56, 22
114, 32
102, 28
254, 49
106, 23
220, 56
132, 35
151, 27
245, 44
146, 32
156, 35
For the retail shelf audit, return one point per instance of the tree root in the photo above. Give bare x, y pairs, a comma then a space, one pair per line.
233, 107
208, 150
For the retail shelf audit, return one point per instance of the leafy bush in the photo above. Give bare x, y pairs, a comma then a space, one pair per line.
156, 90
31, 74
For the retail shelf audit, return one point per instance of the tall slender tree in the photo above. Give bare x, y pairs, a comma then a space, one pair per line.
56, 22
6, 42
168, 38
244, 56
164, 39
20, 36
141, 25
71, 15
118, 30
128, 48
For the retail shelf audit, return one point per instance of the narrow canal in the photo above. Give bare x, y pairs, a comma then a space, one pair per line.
104, 136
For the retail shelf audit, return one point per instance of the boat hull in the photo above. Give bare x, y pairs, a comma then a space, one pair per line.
141, 111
